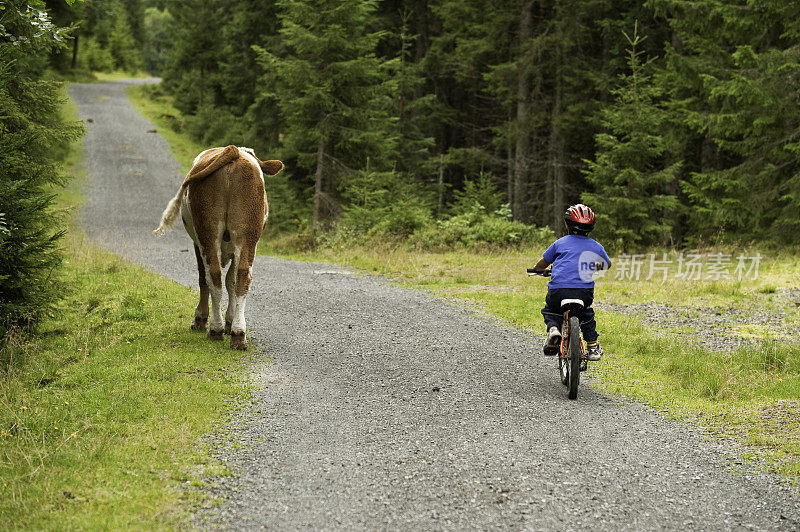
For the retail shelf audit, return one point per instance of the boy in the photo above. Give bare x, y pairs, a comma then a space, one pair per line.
575, 258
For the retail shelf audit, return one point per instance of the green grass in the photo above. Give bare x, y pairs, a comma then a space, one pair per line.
104, 411
750, 395
87, 76
505, 269
119, 75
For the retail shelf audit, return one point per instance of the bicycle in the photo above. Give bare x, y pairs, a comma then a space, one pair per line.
572, 351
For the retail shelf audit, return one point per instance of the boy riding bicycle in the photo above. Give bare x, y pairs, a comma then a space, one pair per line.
575, 258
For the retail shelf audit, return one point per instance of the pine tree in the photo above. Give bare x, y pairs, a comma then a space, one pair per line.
413, 106
333, 94
732, 69
157, 31
123, 46
632, 171
470, 37
522, 81
192, 71
30, 130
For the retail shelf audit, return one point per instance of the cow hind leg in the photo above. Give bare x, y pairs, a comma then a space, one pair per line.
244, 274
214, 278
201, 311
230, 286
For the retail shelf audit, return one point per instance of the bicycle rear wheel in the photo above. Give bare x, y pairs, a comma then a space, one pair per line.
574, 361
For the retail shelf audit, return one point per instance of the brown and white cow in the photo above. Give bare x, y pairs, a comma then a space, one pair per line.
223, 204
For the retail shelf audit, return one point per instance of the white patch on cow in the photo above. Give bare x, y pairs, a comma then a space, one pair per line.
197, 310
239, 325
230, 285
250, 154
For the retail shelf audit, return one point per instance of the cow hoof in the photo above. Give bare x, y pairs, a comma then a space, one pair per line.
227, 327
238, 341
216, 335
199, 324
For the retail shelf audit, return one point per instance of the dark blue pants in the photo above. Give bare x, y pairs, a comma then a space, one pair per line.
553, 315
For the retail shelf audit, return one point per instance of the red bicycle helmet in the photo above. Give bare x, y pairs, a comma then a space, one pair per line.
579, 218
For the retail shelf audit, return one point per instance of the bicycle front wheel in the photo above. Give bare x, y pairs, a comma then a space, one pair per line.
575, 353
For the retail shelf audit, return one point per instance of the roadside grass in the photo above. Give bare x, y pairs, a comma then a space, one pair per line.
78, 75
104, 410
118, 75
750, 395
504, 269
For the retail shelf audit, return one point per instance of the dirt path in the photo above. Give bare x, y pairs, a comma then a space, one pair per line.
377, 407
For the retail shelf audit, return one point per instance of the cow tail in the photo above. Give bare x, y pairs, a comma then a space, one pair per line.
170, 214
228, 155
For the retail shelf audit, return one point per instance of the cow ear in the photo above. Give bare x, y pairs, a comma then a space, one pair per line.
271, 167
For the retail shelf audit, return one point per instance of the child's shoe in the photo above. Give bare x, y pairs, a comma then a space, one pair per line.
552, 341
593, 351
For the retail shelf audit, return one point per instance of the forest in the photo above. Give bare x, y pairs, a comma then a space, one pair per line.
444, 123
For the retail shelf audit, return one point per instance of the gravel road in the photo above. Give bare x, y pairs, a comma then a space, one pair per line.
382, 408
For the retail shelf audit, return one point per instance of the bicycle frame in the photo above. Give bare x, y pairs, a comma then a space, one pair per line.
563, 348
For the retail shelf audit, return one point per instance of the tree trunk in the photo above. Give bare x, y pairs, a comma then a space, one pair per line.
440, 187
74, 62
509, 168
318, 181
521, 153
400, 102
672, 186
556, 149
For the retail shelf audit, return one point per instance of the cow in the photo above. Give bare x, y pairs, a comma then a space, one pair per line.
223, 205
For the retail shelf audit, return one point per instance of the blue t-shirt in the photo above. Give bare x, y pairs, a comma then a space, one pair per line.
573, 258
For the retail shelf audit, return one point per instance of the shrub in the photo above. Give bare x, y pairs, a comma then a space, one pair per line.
384, 203
216, 126
475, 227
480, 190
95, 57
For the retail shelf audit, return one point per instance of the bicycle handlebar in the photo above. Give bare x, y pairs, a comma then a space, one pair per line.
532, 272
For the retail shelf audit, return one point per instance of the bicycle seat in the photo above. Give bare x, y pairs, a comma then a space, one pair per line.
572, 304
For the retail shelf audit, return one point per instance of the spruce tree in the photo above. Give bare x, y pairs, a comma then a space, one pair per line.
334, 96
157, 30
632, 170
731, 71
192, 71
471, 36
30, 129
